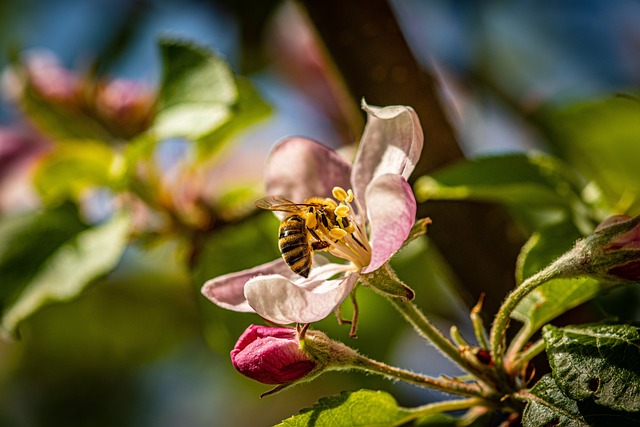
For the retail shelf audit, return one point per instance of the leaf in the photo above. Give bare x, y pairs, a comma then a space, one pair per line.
73, 167
544, 246
351, 409
197, 92
548, 406
556, 296
68, 269
598, 362
542, 188
26, 241
250, 109
600, 137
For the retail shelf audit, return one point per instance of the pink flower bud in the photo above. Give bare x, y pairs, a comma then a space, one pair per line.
626, 241
271, 355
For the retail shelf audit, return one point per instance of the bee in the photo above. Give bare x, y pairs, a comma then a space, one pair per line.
298, 236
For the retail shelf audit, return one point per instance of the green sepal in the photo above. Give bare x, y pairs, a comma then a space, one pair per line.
385, 282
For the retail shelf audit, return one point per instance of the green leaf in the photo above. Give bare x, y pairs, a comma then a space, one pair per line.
548, 406
599, 362
350, 409
26, 241
542, 188
66, 271
250, 109
73, 167
601, 137
197, 93
544, 246
554, 298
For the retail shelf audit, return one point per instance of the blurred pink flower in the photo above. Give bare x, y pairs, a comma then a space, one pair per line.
379, 208
271, 355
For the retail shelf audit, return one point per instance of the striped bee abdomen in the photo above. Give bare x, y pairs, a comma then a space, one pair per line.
294, 245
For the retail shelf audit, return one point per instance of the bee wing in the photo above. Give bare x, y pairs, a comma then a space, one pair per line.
277, 203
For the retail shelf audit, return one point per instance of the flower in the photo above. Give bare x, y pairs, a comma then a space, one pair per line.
271, 355
364, 224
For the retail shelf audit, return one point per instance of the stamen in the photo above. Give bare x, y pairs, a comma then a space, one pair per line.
350, 196
339, 193
337, 233
342, 211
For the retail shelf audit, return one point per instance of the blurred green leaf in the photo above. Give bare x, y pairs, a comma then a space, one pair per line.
544, 246
352, 408
601, 138
599, 362
72, 167
197, 93
26, 241
66, 269
540, 187
249, 109
548, 406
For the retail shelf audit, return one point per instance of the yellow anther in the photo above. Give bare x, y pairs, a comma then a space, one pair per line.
350, 229
339, 193
337, 233
341, 211
310, 220
350, 196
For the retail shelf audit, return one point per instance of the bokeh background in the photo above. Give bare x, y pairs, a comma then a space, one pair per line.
141, 347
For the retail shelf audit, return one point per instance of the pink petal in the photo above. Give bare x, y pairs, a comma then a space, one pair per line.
282, 301
392, 212
228, 291
299, 168
391, 143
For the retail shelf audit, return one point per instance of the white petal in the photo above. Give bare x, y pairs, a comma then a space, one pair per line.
391, 143
281, 301
392, 212
299, 168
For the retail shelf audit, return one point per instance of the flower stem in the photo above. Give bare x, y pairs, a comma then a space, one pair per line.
535, 349
500, 323
426, 329
442, 384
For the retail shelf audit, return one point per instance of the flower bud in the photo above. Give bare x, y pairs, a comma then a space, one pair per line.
271, 355
623, 248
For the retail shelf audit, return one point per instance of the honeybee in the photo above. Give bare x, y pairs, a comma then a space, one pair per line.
298, 236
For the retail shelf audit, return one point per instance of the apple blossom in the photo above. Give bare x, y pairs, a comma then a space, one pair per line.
374, 208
